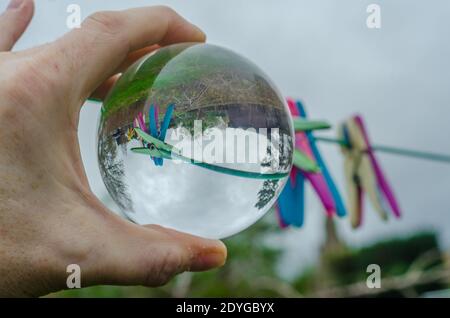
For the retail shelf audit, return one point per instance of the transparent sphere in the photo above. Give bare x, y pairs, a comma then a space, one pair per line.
196, 138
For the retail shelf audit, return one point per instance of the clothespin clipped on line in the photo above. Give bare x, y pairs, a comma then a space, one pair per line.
339, 204
153, 118
152, 128
363, 173
290, 205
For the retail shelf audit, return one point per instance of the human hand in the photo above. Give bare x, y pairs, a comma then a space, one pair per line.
49, 218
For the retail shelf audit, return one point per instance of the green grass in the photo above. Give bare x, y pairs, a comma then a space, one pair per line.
169, 69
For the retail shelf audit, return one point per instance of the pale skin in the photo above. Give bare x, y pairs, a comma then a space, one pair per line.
49, 217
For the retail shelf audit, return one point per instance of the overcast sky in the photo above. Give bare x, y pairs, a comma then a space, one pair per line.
322, 52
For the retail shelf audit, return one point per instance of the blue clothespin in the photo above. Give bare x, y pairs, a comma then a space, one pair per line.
166, 122
153, 126
340, 207
290, 203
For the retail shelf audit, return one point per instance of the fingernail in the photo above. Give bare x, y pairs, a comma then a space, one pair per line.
14, 4
201, 34
210, 258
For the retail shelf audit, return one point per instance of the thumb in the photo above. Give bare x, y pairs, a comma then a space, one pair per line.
14, 21
129, 254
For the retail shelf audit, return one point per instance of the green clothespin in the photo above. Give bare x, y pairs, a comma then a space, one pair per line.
159, 145
303, 162
301, 124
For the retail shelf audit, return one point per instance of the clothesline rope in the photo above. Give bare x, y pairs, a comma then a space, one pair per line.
394, 150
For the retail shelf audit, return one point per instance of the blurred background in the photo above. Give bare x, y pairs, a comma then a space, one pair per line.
322, 52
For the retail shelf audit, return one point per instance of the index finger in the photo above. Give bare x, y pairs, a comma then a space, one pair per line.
92, 53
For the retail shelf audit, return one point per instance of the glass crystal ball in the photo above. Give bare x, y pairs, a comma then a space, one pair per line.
196, 138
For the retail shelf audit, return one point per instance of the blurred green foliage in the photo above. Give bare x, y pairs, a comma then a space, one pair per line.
394, 256
342, 266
